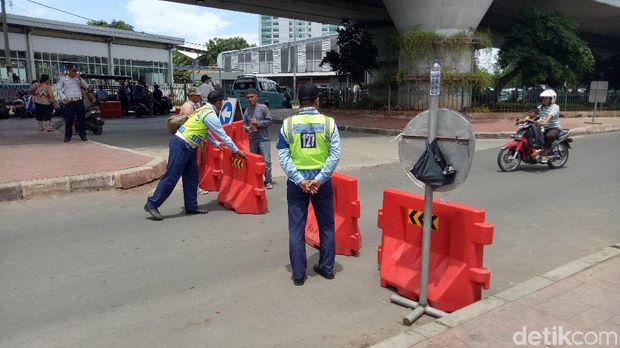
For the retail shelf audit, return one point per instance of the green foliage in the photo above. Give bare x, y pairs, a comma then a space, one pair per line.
544, 48
218, 45
180, 59
357, 53
114, 24
182, 76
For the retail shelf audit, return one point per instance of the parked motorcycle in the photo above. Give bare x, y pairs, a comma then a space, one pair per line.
162, 106
519, 149
93, 121
18, 108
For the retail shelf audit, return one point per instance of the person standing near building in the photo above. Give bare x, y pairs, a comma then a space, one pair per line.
309, 151
43, 98
182, 157
124, 97
70, 91
205, 88
256, 121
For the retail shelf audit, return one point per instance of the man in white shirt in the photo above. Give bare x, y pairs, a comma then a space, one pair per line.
205, 88
70, 91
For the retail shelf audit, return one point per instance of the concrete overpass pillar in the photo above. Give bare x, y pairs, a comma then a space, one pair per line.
444, 17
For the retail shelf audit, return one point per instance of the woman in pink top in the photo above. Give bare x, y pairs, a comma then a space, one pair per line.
43, 97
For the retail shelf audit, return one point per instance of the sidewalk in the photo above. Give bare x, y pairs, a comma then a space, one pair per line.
582, 297
40, 164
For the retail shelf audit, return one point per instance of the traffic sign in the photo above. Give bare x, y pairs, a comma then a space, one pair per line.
416, 217
598, 91
231, 111
456, 139
237, 163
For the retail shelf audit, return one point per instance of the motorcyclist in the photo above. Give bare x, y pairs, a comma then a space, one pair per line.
549, 118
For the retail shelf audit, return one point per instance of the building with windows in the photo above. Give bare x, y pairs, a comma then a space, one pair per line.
285, 62
275, 30
39, 46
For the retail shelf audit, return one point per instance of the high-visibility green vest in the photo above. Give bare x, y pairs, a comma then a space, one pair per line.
308, 137
194, 129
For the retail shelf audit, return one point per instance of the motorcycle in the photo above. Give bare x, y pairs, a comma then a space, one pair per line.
519, 150
93, 121
162, 106
19, 109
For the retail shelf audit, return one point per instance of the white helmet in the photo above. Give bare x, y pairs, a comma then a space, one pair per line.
549, 93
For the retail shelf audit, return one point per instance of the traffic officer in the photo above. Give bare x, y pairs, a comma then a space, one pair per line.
309, 151
182, 156
70, 91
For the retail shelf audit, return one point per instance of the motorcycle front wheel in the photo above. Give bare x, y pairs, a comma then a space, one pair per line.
98, 130
560, 156
508, 159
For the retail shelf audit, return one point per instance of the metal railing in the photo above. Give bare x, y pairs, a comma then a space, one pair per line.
410, 97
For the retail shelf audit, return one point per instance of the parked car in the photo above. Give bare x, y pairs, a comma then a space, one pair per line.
269, 93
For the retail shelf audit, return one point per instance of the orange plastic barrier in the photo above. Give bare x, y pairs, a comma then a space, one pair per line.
242, 188
111, 109
210, 167
346, 214
210, 159
459, 233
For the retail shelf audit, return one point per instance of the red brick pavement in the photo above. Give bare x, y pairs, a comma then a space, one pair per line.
28, 154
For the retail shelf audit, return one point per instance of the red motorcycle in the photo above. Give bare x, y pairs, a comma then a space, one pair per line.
519, 149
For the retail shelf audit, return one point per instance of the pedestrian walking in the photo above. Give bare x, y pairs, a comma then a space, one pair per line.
182, 156
309, 151
205, 88
256, 121
43, 98
70, 91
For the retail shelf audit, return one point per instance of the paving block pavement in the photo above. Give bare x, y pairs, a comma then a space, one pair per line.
37, 164
581, 297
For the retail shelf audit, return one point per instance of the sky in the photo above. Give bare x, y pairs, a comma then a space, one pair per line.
196, 24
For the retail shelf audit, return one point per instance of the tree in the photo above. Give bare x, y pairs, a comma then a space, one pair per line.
180, 59
218, 45
356, 56
543, 48
114, 24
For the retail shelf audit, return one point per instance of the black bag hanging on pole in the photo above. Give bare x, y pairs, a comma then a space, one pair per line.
432, 168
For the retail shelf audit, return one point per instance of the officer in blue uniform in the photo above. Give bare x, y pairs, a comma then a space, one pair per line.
309, 151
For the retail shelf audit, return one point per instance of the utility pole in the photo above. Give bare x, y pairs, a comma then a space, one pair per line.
7, 51
295, 62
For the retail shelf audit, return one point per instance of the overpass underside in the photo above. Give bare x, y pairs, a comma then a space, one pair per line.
597, 20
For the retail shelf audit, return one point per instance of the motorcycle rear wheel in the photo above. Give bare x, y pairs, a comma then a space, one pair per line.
559, 158
507, 161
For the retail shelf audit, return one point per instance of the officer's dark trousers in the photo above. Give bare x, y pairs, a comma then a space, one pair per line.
323, 204
181, 163
73, 110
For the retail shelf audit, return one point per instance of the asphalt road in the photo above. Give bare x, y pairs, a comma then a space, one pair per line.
89, 269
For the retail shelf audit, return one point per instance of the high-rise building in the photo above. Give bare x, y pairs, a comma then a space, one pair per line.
278, 30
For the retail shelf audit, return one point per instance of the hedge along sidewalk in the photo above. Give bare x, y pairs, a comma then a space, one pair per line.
581, 295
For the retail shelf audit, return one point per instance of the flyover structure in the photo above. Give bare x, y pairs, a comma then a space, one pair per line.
598, 22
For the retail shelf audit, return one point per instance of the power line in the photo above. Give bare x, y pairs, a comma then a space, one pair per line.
59, 10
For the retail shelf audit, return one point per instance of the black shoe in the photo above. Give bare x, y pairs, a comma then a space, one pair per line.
67, 140
84, 138
197, 211
299, 282
323, 274
154, 212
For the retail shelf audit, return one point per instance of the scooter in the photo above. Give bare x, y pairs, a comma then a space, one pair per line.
93, 121
518, 149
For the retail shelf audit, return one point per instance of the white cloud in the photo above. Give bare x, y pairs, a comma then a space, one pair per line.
195, 24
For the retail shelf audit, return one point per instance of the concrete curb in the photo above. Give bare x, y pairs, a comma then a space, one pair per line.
121, 179
424, 332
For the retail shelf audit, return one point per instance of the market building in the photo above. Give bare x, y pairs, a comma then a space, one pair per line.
39, 46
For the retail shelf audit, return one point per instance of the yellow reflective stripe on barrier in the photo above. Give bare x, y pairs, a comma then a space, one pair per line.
416, 217
237, 163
